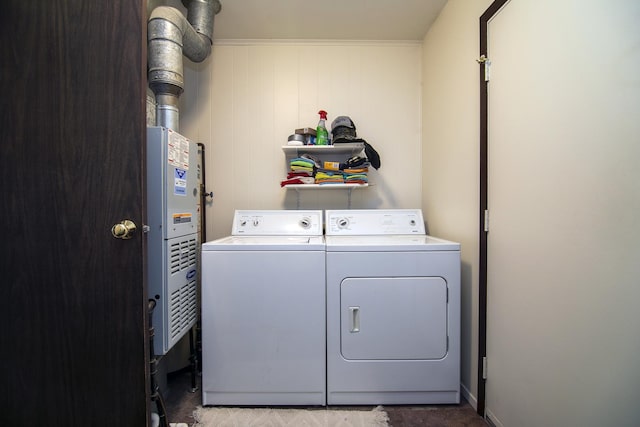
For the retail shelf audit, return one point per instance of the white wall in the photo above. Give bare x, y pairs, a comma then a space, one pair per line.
249, 96
450, 154
580, 328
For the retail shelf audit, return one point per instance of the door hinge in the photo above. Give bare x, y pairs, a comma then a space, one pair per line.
486, 220
484, 368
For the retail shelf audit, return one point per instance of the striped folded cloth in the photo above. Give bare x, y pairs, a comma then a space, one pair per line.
329, 177
356, 178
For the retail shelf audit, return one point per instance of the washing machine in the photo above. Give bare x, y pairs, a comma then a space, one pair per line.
393, 310
263, 311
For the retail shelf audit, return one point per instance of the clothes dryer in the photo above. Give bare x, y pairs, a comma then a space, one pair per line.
393, 310
263, 311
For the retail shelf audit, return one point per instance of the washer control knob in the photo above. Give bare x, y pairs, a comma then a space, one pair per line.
343, 222
256, 222
243, 222
412, 222
305, 222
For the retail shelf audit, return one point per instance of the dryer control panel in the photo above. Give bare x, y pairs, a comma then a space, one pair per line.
374, 222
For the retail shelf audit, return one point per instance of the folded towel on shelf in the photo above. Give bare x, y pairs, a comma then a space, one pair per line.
302, 162
356, 178
302, 169
325, 176
298, 180
293, 174
360, 176
356, 170
313, 159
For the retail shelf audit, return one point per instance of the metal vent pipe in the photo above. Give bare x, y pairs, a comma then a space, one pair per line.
170, 35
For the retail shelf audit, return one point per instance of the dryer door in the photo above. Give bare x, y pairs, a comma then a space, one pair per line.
393, 318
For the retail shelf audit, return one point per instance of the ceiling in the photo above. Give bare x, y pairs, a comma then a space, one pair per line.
326, 20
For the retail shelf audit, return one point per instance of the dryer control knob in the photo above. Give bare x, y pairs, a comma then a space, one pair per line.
343, 222
305, 222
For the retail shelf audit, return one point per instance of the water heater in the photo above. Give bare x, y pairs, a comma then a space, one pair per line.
173, 208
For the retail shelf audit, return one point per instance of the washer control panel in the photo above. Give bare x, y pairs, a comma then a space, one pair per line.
373, 222
277, 223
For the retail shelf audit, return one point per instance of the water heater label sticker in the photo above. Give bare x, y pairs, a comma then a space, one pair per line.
178, 151
181, 218
180, 182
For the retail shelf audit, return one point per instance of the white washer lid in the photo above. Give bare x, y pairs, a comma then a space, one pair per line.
388, 243
266, 243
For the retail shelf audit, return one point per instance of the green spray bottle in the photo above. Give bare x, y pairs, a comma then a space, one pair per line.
322, 136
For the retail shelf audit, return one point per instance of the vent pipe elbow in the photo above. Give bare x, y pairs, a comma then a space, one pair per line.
171, 35
200, 13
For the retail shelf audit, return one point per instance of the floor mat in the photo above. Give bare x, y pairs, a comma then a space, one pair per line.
275, 417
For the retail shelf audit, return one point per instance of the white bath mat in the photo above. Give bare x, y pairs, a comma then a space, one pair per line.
276, 417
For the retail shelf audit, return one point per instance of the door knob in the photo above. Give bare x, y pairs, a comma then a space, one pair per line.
124, 229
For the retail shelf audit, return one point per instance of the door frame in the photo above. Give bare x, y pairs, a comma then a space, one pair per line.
488, 14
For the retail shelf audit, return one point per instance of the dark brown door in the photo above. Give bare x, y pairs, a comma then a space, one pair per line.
73, 348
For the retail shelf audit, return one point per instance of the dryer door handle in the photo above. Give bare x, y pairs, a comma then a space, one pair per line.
355, 319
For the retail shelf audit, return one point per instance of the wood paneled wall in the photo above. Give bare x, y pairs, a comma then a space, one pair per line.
249, 96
